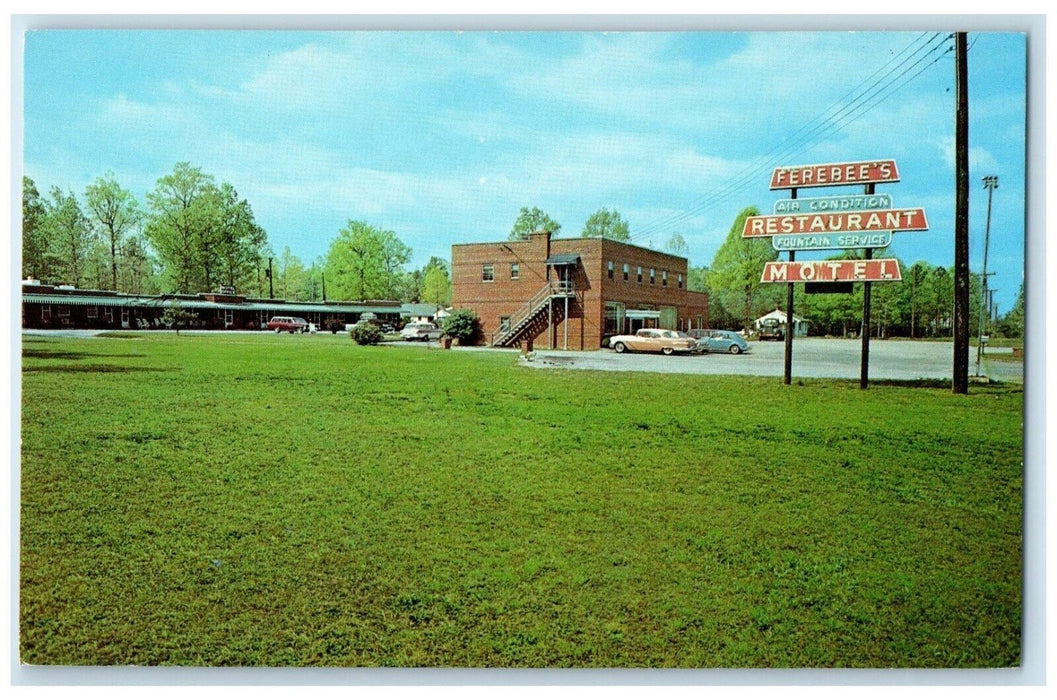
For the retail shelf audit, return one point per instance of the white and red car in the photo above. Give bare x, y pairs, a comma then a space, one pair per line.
290, 324
654, 340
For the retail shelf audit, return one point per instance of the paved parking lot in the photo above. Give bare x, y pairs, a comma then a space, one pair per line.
812, 358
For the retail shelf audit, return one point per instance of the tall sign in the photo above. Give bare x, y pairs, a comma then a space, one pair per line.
839, 222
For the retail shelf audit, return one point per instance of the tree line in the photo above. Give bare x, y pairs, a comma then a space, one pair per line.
193, 234
921, 306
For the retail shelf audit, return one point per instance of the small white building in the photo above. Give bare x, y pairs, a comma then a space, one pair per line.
799, 324
421, 313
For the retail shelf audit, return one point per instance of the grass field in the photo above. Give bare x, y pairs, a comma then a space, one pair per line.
263, 500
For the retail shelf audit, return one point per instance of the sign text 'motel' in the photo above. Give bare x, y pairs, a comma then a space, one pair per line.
830, 174
881, 270
836, 222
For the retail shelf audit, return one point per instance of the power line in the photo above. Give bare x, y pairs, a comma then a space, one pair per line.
852, 106
764, 162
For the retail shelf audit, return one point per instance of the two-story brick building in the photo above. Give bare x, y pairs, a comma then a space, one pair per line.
571, 293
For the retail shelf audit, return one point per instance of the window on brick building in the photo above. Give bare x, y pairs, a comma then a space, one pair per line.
504, 323
664, 278
638, 273
515, 271
487, 272
627, 269
653, 276
609, 269
680, 280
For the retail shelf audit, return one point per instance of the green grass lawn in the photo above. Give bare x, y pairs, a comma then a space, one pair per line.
284, 500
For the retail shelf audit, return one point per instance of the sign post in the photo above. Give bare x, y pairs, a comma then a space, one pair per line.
865, 221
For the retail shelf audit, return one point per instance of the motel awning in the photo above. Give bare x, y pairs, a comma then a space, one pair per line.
564, 259
641, 314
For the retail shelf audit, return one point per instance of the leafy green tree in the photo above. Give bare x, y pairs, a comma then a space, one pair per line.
34, 231
178, 227
436, 283
115, 211
290, 277
461, 325
1012, 324
606, 224
532, 220
734, 276
175, 316
364, 262
234, 240
69, 235
137, 267
204, 234
676, 245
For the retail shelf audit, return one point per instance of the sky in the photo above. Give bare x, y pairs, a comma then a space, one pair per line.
443, 136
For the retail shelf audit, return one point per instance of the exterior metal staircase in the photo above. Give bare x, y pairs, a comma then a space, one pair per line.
534, 314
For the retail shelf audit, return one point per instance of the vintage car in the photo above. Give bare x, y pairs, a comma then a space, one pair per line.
421, 331
654, 340
290, 324
719, 341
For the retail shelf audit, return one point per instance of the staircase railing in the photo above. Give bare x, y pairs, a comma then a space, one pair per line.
532, 306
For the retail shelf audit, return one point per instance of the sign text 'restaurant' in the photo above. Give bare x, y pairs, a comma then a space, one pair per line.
836, 222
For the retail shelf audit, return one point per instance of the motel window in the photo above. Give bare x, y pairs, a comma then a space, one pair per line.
487, 272
45, 311
108, 314
664, 278
64, 312
515, 271
609, 269
626, 270
653, 276
92, 312
638, 273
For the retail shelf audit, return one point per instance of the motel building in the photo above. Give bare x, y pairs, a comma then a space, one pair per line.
47, 306
571, 293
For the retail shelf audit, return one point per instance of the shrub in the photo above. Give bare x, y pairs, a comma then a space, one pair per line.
461, 325
366, 334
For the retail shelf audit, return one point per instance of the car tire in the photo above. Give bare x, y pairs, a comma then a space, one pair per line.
278, 330
619, 347
666, 351
735, 350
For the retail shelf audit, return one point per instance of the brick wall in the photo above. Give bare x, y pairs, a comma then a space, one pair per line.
503, 296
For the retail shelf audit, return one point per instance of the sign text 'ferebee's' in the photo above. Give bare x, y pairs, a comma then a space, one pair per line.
830, 174
881, 270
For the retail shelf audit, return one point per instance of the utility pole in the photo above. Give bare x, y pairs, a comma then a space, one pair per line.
789, 325
864, 357
990, 183
271, 289
960, 379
